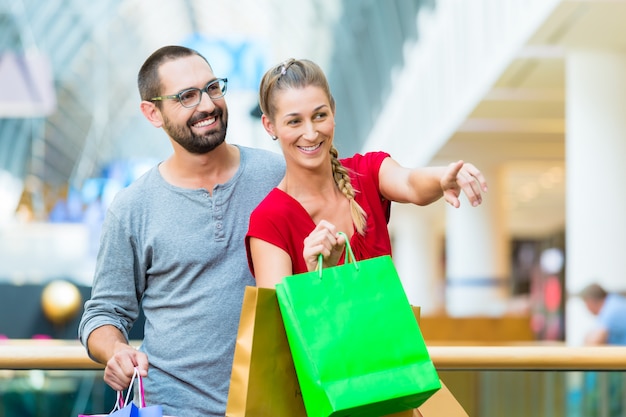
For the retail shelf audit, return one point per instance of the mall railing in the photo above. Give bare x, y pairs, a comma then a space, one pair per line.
68, 355
538, 380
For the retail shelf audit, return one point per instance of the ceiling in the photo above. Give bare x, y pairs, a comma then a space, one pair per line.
94, 52
520, 124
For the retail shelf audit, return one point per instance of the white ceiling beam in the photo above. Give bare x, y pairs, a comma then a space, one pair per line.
526, 94
512, 125
544, 51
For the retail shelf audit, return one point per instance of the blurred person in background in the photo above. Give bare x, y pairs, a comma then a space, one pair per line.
609, 310
609, 328
172, 245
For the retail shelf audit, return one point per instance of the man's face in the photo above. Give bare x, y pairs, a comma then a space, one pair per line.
593, 306
198, 129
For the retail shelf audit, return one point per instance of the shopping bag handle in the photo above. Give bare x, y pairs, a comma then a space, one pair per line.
349, 256
121, 401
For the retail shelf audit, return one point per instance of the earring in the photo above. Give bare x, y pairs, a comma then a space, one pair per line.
274, 137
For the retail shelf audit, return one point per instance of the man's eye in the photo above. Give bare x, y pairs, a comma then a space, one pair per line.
188, 96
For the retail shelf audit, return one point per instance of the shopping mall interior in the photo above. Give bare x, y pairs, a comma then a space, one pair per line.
531, 92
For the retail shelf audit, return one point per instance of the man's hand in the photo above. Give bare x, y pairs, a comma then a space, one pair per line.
121, 367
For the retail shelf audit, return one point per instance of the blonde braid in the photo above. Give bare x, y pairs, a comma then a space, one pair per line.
342, 179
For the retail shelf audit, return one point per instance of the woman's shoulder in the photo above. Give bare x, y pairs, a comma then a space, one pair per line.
274, 202
364, 160
277, 213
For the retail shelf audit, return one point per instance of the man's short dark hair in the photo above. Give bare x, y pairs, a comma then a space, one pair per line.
593, 292
148, 79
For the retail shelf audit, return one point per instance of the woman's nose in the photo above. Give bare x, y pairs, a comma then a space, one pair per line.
310, 133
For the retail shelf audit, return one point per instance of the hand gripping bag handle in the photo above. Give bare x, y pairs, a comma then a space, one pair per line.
121, 401
349, 256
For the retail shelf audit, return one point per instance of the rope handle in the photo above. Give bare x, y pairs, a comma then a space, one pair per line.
349, 256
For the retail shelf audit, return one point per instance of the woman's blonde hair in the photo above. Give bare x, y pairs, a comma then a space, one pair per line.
301, 73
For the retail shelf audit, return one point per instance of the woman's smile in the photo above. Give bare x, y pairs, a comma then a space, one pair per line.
312, 148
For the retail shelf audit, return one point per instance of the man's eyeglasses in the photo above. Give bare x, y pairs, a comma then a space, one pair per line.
191, 97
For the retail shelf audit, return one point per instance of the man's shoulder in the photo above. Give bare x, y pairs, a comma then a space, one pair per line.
614, 307
618, 298
263, 159
259, 152
136, 189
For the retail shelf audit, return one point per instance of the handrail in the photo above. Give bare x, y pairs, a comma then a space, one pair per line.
45, 356
546, 358
70, 355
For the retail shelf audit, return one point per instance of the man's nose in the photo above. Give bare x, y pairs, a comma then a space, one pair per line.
206, 102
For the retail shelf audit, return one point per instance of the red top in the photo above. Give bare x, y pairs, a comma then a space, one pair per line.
280, 220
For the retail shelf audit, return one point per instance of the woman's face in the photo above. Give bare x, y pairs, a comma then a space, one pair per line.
304, 124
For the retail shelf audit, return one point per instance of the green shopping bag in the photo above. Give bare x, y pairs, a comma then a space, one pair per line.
356, 346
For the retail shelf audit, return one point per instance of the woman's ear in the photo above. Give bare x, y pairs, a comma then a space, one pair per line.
152, 113
268, 125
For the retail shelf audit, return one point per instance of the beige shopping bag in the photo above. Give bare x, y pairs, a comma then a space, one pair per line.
263, 380
441, 404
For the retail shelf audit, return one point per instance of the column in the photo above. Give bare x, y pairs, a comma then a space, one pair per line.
595, 173
417, 240
477, 254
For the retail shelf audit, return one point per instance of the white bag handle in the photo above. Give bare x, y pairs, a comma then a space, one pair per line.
121, 401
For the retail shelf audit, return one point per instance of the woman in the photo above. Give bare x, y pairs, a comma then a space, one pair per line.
321, 195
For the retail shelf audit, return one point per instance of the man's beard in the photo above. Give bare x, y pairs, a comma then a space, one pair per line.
196, 144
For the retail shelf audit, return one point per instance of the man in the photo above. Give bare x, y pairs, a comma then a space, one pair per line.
609, 329
173, 244
610, 312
